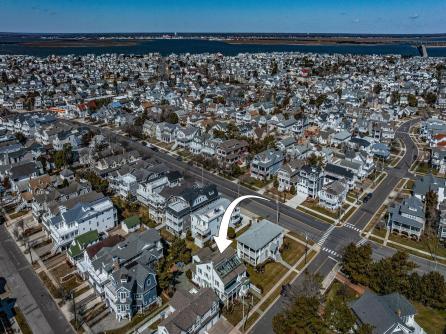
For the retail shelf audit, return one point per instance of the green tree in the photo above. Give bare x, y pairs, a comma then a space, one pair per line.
365, 329
172, 118
231, 233
377, 88
164, 274
338, 315
433, 290
293, 190
21, 138
412, 99
392, 274
431, 210
430, 98
276, 182
357, 262
178, 252
301, 317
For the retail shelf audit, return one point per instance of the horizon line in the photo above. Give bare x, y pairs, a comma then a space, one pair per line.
223, 32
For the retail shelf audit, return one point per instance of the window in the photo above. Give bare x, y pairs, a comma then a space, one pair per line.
122, 295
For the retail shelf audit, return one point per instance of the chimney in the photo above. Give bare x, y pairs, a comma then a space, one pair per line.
116, 264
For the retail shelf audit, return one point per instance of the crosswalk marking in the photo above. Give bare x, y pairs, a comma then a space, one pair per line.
330, 251
353, 227
361, 242
325, 236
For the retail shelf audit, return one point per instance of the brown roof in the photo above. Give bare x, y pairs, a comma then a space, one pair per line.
40, 182
109, 242
188, 307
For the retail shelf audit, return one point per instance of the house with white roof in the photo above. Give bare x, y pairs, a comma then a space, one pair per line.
262, 241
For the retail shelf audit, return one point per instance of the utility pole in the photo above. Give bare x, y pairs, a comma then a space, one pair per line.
74, 309
202, 180
30, 252
306, 246
277, 209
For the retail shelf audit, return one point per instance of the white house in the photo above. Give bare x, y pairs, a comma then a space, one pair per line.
261, 242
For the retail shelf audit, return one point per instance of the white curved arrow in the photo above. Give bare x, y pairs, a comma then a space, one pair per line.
221, 240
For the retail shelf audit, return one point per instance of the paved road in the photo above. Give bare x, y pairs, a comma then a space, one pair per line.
340, 237
42, 314
299, 222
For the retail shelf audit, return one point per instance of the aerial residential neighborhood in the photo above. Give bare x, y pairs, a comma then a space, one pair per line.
263, 188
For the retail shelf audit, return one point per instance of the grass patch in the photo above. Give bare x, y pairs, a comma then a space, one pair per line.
54, 291
375, 239
379, 232
347, 215
266, 280
251, 320
242, 230
432, 320
301, 237
414, 252
81, 291
137, 319
166, 235
421, 245
71, 284
21, 321
251, 182
423, 168
315, 215
310, 256
18, 214
291, 250
192, 246
61, 270
276, 292
339, 289
313, 205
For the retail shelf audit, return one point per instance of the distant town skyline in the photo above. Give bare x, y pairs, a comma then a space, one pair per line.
101, 16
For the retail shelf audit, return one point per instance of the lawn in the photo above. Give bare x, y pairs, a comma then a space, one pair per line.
316, 207
166, 235
21, 321
315, 215
266, 280
432, 320
234, 312
276, 292
310, 256
337, 288
137, 319
379, 232
55, 291
71, 284
347, 215
301, 237
421, 245
61, 270
291, 250
18, 214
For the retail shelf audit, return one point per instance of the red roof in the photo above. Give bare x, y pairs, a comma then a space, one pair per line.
109, 242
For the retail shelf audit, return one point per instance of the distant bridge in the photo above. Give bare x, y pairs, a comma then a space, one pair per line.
422, 46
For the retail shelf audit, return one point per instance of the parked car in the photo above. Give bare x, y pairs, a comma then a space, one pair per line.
367, 197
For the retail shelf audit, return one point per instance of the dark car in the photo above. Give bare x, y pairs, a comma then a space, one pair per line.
154, 148
179, 159
367, 197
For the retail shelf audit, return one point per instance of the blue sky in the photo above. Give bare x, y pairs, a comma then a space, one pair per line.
348, 16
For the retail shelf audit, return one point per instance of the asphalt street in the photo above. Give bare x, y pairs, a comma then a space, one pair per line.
41, 312
299, 222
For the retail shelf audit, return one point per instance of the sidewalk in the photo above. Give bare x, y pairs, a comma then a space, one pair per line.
273, 289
